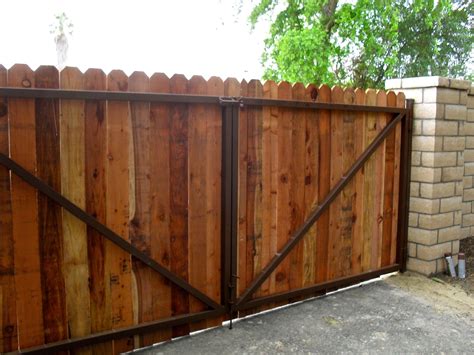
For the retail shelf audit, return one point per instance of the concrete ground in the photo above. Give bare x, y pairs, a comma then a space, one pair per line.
404, 314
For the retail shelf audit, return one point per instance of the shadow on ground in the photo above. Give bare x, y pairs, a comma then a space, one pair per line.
403, 314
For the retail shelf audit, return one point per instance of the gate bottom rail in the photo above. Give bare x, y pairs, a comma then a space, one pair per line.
337, 283
96, 338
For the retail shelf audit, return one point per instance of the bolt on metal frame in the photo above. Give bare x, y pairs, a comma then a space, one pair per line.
230, 138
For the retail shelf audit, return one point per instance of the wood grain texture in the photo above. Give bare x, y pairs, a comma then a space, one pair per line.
49, 213
336, 223
370, 208
269, 176
348, 194
311, 183
324, 184
179, 200
118, 211
377, 241
282, 167
197, 180
358, 206
95, 191
215, 86
233, 88
140, 202
29, 298
160, 186
254, 228
76, 268
389, 173
8, 326
297, 187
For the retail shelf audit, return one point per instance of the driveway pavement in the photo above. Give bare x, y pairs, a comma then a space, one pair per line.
405, 314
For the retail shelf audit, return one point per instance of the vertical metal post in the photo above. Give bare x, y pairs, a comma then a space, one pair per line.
230, 161
235, 208
226, 204
404, 191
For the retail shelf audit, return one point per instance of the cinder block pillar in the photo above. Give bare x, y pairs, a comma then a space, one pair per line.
467, 229
437, 172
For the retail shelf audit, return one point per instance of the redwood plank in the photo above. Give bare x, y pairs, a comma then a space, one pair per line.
8, 322
348, 194
29, 298
388, 189
233, 88
72, 147
282, 174
370, 208
140, 202
358, 206
311, 173
215, 86
95, 191
254, 186
324, 128
179, 200
197, 162
118, 207
335, 217
160, 201
297, 187
49, 213
269, 154
377, 243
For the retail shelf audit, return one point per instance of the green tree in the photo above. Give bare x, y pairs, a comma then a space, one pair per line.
364, 42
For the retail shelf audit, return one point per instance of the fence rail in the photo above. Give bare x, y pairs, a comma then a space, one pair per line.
157, 206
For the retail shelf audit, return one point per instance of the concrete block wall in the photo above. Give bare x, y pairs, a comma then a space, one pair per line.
467, 228
441, 189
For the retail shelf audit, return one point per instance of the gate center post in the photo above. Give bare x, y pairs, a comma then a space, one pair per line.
230, 166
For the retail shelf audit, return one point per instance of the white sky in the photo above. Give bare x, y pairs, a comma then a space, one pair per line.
204, 37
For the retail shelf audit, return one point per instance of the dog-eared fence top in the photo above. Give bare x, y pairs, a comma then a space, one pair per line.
241, 195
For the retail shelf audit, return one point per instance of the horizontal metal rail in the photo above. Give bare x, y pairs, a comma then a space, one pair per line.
36, 93
104, 230
96, 338
318, 211
337, 283
251, 101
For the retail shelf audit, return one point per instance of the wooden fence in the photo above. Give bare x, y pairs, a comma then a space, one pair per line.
151, 172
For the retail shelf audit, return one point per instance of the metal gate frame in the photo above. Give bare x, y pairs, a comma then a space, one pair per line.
229, 304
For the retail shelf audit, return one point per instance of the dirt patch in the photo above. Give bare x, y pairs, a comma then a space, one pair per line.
444, 293
442, 296
466, 246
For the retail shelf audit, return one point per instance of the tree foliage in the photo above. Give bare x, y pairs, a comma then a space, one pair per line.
364, 42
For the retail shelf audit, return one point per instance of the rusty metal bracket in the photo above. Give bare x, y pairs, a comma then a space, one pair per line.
103, 230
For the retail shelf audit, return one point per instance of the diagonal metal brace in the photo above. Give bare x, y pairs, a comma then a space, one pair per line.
104, 230
317, 212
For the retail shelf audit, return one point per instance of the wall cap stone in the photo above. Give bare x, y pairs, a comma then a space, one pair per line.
428, 81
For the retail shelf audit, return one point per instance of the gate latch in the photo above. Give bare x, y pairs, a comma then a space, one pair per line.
231, 100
